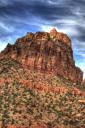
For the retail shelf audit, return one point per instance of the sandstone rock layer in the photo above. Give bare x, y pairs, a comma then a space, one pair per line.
46, 52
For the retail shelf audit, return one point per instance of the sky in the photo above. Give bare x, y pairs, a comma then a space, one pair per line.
17, 17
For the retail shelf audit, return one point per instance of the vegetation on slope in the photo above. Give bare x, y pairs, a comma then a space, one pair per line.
31, 99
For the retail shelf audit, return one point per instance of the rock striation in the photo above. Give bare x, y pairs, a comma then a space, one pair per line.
46, 52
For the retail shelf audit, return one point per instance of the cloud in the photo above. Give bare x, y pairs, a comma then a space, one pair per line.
2, 45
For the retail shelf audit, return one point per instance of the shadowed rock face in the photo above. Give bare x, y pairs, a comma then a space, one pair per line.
46, 52
83, 82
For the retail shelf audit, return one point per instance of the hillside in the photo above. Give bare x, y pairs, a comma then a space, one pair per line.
33, 96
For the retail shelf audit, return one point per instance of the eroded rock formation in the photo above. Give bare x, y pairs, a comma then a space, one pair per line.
46, 52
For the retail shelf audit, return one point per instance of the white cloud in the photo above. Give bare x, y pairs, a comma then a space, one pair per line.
4, 42
58, 2
2, 46
46, 28
6, 27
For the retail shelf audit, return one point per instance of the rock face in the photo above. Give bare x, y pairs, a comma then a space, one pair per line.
83, 82
46, 52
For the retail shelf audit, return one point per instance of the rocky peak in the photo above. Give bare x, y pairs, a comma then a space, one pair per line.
41, 36
53, 32
46, 52
58, 36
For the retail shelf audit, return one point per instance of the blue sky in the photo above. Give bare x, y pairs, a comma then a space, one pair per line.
17, 17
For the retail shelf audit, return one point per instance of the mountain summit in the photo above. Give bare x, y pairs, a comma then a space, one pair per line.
46, 52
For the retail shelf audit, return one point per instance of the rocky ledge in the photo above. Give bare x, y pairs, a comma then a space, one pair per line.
46, 52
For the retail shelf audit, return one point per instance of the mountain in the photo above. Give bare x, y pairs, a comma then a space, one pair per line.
46, 52
40, 86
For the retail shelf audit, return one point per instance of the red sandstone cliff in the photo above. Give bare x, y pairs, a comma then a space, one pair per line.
46, 52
